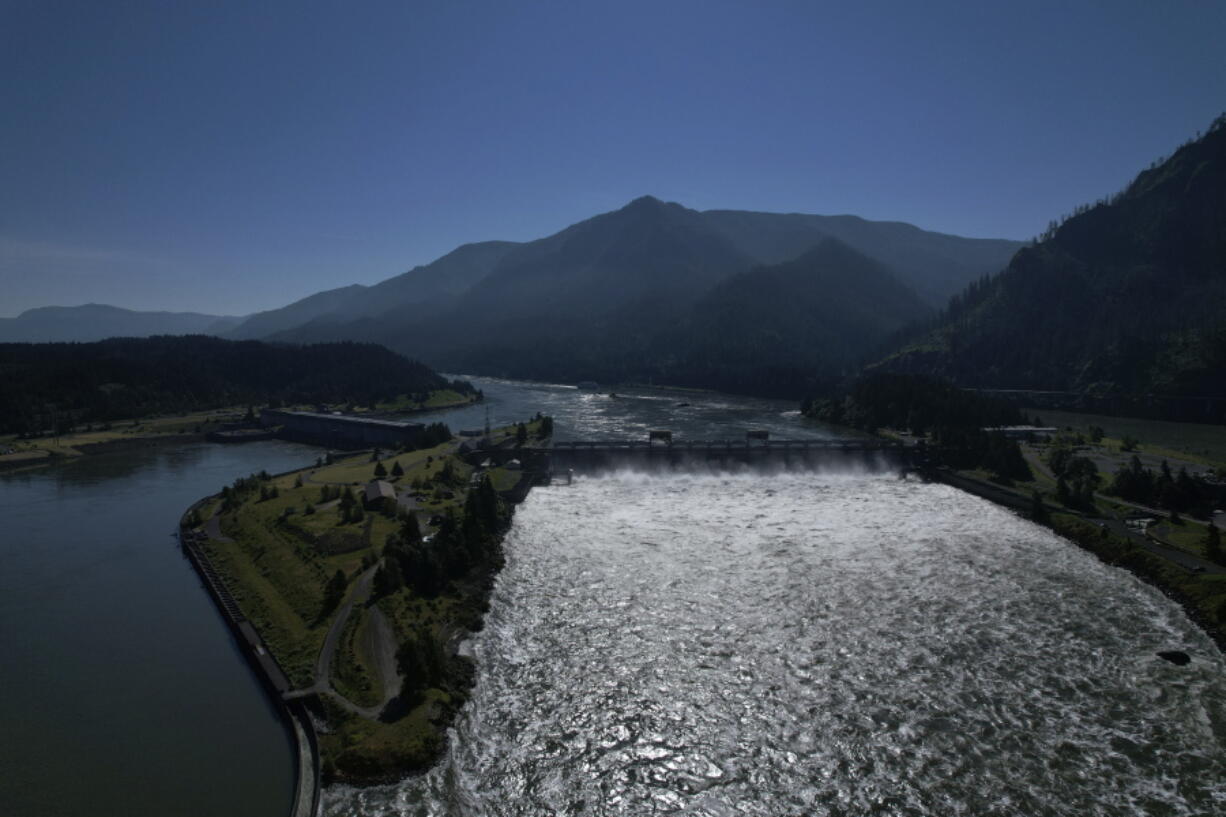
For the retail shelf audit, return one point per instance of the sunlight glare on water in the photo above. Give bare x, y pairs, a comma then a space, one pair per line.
818, 644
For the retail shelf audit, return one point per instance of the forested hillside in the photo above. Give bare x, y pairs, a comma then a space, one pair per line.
60, 384
1127, 296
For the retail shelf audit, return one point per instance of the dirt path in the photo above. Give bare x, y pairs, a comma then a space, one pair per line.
380, 645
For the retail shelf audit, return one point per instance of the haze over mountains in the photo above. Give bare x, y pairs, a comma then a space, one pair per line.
654, 291
638, 294
1125, 297
97, 321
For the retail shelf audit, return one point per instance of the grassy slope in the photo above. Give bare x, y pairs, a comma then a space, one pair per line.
278, 572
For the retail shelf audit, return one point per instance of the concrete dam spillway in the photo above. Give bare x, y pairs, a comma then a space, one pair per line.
762, 454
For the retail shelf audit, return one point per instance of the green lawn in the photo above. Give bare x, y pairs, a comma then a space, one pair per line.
1194, 442
67, 444
1188, 536
441, 398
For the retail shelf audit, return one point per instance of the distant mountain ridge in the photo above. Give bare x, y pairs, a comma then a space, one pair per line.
1125, 297
935, 265
613, 297
445, 277
596, 299
91, 322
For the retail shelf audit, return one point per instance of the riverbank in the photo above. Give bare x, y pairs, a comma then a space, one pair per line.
318, 568
116, 436
297, 721
1201, 595
215, 424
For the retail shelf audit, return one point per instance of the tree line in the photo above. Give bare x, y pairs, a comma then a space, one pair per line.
53, 387
955, 421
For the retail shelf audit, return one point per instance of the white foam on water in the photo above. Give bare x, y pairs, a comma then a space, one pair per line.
817, 644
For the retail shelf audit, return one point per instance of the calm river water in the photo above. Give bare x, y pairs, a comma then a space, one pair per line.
123, 691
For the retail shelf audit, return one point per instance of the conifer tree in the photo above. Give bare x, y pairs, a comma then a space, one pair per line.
1213, 544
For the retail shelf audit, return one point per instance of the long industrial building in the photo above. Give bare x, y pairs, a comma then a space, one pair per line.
341, 430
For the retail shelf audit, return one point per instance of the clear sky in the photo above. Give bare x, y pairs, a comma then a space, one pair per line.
228, 157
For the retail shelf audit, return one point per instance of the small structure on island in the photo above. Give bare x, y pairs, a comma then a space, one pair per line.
378, 489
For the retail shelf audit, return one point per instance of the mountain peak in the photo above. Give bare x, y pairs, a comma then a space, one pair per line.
650, 204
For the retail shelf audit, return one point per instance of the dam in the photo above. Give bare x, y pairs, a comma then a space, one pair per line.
659, 452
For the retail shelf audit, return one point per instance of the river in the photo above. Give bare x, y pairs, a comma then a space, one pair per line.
817, 644
123, 691
810, 643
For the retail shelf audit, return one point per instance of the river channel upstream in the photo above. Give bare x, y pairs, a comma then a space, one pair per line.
828, 642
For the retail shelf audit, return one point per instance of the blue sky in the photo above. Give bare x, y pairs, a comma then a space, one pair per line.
230, 157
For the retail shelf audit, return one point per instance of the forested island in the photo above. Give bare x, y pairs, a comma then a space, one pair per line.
59, 387
361, 574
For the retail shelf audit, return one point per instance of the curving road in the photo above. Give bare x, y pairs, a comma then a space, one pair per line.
380, 644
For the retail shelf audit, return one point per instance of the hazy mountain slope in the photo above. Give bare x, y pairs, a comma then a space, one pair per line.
823, 310
595, 300
614, 258
331, 302
1128, 296
647, 247
566, 290
935, 265
775, 329
97, 321
445, 277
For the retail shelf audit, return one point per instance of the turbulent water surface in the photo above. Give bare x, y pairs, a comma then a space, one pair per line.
810, 644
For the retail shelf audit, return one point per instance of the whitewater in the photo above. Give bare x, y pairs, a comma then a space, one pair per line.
817, 644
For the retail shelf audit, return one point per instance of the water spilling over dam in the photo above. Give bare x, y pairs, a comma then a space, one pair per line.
835, 642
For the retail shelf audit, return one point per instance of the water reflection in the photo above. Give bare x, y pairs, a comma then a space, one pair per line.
818, 644
123, 690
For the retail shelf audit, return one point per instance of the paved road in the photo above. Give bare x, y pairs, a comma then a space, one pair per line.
1180, 557
212, 529
380, 644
